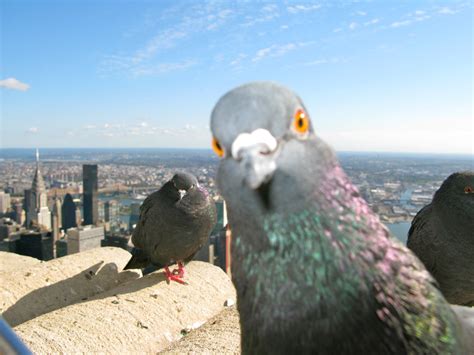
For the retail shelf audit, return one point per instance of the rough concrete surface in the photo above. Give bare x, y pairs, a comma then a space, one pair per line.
14, 262
220, 335
44, 287
140, 316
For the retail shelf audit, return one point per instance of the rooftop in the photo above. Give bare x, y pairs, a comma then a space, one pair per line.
85, 303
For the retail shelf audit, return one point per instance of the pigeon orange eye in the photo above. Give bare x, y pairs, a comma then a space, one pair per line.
217, 148
468, 190
301, 122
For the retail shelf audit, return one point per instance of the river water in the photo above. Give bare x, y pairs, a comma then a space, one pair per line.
399, 230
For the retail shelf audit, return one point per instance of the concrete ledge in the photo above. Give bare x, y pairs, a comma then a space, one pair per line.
14, 262
220, 335
30, 292
141, 316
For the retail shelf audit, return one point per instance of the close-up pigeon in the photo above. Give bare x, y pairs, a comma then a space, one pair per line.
442, 236
175, 222
314, 268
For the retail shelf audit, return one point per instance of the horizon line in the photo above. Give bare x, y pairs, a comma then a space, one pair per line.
210, 149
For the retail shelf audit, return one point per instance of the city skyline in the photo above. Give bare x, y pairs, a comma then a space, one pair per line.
393, 77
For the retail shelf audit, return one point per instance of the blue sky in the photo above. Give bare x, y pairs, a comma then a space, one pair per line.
375, 75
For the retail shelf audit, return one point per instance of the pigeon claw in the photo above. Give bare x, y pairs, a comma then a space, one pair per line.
175, 275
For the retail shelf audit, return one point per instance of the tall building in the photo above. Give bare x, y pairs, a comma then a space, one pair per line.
41, 215
101, 211
56, 219
36, 244
19, 213
68, 211
4, 202
134, 215
84, 238
57, 211
90, 186
9, 227
111, 212
29, 207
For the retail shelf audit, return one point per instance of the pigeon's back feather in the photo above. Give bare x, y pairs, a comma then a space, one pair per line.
363, 293
422, 238
442, 236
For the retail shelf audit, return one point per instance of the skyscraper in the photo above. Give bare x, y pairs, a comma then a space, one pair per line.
111, 211
19, 213
41, 214
90, 185
101, 210
57, 210
4, 202
68, 210
36, 244
56, 220
29, 206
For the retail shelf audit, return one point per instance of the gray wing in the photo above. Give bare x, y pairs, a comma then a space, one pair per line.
422, 238
139, 235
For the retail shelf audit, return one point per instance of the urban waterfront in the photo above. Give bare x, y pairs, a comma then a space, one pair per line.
396, 186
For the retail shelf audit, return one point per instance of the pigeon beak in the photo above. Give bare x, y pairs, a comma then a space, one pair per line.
181, 193
255, 151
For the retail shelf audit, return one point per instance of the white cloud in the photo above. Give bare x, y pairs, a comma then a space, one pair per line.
238, 60
164, 40
422, 18
337, 30
219, 20
284, 27
325, 61
317, 62
32, 130
266, 14
278, 50
353, 25
446, 11
400, 23
162, 68
294, 9
372, 22
14, 84
190, 22
411, 18
361, 13
189, 127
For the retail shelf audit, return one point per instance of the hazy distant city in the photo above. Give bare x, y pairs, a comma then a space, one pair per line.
395, 185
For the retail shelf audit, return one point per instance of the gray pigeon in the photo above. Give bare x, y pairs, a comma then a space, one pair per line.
175, 222
314, 268
442, 236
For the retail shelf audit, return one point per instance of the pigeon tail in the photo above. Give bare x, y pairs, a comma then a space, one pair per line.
139, 260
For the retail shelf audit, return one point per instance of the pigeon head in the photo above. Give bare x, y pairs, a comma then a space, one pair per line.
458, 184
268, 148
456, 196
182, 182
